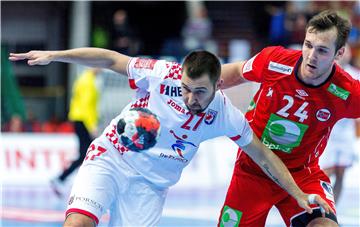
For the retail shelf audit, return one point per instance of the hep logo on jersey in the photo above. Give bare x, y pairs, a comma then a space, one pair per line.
179, 146
172, 91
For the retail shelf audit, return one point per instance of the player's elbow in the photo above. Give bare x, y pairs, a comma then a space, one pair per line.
79, 220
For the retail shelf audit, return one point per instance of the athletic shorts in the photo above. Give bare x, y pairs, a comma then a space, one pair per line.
250, 198
105, 181
340, 154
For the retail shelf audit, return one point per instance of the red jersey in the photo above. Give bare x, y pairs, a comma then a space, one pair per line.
290, 117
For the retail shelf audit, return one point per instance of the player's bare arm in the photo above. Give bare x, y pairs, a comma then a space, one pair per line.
231, 74
277, 171
88, 56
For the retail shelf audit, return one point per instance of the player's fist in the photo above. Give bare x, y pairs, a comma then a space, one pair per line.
34, 57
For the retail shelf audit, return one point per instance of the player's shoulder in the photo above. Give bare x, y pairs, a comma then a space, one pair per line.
343, 76
345, 80
174, 71
278, 62
281, 54
152, 64
221, 101
166, 70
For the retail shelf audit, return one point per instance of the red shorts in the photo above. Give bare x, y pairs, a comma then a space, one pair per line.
251, 196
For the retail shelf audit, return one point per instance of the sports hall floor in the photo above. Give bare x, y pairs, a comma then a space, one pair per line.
36, 205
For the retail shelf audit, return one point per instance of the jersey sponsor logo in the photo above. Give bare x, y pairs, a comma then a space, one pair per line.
179, 147
323, 114
230, 217
338, 91
176, 106
143, 63
71, 200
88, 202
283, 134
170, 90
301, 92
327, 190
210, 116
248, 65
270, 92
172, 157
280, 68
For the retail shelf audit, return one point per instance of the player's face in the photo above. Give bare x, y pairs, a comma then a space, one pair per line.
197, 93
318, 54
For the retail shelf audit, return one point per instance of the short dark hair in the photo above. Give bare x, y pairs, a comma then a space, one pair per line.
199, 62
328, 19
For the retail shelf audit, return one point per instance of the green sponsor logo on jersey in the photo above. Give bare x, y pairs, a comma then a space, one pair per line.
338, 91
283, 134
230, 217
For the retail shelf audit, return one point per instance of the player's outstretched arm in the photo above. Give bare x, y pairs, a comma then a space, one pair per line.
277, 171
231, 74
88, 56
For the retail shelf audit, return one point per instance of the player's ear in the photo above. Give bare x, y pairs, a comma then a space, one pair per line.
340, 53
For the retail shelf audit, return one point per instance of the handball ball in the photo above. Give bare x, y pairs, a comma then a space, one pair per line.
138, 129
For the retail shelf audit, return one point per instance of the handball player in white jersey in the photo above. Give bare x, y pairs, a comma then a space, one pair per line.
341, 150
191, 109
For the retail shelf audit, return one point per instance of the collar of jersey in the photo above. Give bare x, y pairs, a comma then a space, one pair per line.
298, 63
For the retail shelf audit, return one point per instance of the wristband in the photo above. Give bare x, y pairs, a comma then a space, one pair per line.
311, 198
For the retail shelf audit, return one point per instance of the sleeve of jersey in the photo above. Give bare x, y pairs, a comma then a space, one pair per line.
253, 69
236, 126
145, 74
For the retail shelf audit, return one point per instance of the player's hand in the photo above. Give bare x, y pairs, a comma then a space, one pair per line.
34, 57
307, 199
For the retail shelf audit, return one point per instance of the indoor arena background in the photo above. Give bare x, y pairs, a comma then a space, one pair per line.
44, 143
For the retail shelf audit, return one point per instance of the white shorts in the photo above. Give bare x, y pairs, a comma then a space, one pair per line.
338, 154
106, 181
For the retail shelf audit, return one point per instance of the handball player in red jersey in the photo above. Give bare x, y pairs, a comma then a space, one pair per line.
302, 95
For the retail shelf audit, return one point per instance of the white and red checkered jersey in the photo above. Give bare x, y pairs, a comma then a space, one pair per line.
292, 118
158, 88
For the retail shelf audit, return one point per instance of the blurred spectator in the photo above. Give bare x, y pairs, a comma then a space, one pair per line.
51, 125
354, 38
14, 125
12, 102
278, 35
124, 38
297, 17
84, 114
66, 127
197, 32
32, 124
100, 37
298, 25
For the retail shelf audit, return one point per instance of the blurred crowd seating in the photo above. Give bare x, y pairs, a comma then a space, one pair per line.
17, 125
234, 33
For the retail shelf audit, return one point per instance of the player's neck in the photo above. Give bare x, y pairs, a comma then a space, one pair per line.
314, 80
